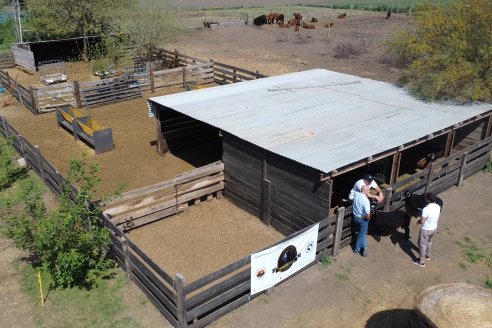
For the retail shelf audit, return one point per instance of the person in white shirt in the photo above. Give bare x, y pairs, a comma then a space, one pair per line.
367, 180
430, 216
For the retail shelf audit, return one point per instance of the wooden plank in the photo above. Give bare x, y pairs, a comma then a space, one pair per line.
144, 211
217, 289
222, 299
197, 284
163, 194
222, 311
281, 227
140, 221
460, 175
199, 193
199, 172
199, 183
24, 58
338, 230
141, 192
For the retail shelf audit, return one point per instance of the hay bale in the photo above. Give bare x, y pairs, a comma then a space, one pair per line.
453, 305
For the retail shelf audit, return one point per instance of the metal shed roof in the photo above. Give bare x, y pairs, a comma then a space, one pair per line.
323, 119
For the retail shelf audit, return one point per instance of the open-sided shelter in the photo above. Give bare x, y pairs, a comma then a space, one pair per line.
286, 139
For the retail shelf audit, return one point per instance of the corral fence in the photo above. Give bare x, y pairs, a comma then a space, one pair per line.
23, 56
182, 70
6, 60
198, 303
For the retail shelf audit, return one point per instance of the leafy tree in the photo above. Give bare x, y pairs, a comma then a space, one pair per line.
449, 54
69, 242
7, 34
64, 18
149, 26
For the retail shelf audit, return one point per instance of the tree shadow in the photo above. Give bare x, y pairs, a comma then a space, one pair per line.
391, 318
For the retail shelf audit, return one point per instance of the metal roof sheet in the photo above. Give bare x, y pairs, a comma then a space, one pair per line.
320, 118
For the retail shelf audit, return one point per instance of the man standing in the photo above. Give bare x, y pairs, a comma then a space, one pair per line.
361, 209
367, 180
430, 216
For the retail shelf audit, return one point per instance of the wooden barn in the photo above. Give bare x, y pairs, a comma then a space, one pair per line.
293, 145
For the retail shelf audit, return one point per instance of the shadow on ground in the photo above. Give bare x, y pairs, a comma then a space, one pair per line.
390, 318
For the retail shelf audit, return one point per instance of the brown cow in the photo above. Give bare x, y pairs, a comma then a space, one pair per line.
283, 24
314, 20
342, 16
272, 18
297, 16
308, 26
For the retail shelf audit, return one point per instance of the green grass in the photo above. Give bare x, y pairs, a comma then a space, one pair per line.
488, 283
326, 261
342, 276
488, 166
473, 253
15, 195
102, 306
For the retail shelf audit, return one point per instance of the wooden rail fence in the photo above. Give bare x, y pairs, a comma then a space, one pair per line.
182, 70
198, 303
6, 60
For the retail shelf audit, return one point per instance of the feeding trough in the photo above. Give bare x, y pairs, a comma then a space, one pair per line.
52, 71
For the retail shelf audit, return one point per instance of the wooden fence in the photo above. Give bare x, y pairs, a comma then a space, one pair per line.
152, 203
7, 60
198, 303
24, 95
183, 70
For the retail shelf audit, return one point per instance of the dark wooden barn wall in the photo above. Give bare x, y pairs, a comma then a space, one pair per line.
242, 173
181, 131
470, 134
283, 193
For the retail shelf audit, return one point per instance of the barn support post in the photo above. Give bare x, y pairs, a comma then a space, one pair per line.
126, 254
330, 193
388, 192
162, 147
488, 130
76, 94
449, 143
462, 169
429, 177
337, 235
180, 300
395, 167
265, 193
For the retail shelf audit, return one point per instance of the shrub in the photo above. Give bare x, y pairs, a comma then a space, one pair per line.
9, 171
350, 49
448, 56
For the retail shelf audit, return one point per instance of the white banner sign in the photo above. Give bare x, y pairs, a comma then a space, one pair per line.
272, 265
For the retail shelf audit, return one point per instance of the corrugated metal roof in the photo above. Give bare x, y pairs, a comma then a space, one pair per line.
320, 118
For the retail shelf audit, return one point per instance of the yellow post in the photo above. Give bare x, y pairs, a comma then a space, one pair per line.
40, 288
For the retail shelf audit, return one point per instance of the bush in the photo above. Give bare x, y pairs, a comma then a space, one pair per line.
69, 242
448, 55
350, 49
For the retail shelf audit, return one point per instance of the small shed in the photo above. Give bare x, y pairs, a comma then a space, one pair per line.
290, 142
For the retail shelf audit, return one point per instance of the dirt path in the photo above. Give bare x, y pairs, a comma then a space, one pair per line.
378, 291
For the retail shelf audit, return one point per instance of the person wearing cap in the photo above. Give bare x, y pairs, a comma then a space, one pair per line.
430, 216
361, 211
367, 180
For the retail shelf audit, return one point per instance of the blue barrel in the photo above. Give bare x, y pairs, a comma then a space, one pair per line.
2, 89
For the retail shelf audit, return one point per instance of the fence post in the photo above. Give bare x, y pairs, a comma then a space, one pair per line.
76, 94
4, 126
184, 77
180, 299
40, 162
338, 230
462, 169
257, 74
152, 81
234, 77
34, 100
19, 94
388, 192
8, 80
429, 177
176, 58
21, 141
126, 253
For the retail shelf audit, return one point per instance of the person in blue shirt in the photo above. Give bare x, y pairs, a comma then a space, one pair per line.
361, 210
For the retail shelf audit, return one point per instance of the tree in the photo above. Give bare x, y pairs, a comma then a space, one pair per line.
149, 26
67, 243
65, 18
449, 54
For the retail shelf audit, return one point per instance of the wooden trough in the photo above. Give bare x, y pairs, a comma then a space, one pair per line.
83, 127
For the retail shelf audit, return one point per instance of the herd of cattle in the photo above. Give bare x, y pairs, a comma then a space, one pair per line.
297, 21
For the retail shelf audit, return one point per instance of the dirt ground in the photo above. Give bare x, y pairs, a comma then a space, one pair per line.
204, 238
379, 291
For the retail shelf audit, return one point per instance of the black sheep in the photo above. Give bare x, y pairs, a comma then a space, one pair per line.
415, 203
384, 221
